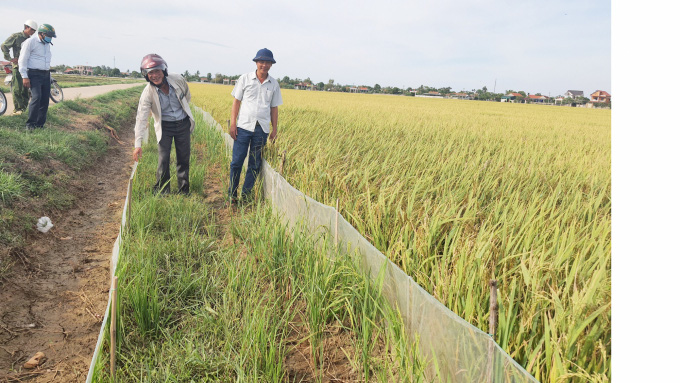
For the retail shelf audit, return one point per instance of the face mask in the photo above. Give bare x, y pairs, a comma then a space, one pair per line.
47, 39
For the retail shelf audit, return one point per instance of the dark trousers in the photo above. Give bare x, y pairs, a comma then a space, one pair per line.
19, 91
245, 140
40, 98
180, 131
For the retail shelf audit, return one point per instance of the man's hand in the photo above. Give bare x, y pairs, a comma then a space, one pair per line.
14, 60
27, 83
272, 135
137, 154
233, 132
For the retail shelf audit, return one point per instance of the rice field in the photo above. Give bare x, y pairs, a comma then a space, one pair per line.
460, 192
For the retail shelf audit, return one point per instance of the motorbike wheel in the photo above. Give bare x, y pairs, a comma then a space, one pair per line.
56, 94
3, 103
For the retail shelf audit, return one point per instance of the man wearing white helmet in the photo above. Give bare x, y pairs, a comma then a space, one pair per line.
13, 42
166, 98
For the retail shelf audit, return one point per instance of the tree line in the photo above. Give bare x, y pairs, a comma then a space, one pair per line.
482, 94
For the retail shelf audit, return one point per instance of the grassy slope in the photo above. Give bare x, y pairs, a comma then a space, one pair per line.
37, 168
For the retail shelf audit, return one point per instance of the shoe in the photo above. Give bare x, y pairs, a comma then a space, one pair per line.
17, 113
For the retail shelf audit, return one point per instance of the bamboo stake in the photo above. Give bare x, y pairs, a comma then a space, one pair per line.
493, 323
114, 302
283, 162
337, 213
129, 203
493, 308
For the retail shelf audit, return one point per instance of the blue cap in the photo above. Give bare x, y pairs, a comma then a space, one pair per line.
264, 54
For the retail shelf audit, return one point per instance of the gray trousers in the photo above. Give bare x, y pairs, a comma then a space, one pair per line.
180, 131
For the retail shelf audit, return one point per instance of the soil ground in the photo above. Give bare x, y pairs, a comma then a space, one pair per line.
57, 293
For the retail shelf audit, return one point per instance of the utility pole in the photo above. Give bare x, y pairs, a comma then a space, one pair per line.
114, 61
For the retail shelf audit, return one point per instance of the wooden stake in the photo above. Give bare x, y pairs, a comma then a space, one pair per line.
493, 323
337, 213
493, 308
283, 162
129, 203
114, 303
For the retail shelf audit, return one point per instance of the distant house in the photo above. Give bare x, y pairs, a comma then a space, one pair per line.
204, 79
535, 98
84, 70
511, 97
358, 89
573, 93
226, 81
601, 96
459, 96
431, 94
304, 86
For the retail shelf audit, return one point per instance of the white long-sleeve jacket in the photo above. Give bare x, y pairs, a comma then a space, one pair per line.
150, 103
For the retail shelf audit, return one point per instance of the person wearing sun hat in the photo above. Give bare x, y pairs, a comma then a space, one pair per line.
257, 97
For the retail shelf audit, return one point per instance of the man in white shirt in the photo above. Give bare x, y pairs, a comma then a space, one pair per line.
34, 66
257, 97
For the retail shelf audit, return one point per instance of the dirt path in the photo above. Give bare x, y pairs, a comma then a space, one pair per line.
59, 290
73, 93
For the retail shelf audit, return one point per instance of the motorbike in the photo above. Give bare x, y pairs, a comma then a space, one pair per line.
3, 99
56, 94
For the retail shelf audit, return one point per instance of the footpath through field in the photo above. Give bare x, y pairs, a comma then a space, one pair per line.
73, 93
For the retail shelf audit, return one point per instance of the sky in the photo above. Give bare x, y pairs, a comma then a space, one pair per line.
545, 47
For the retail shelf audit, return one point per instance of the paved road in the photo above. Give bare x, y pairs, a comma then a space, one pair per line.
72, 93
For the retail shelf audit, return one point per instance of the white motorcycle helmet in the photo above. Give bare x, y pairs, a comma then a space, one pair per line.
31, 24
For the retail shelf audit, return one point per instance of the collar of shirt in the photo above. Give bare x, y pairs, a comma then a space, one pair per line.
253, 76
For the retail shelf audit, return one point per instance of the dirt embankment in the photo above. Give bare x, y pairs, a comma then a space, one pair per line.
56, 294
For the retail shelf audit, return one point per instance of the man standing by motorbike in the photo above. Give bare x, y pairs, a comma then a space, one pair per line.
19, 92
34, 65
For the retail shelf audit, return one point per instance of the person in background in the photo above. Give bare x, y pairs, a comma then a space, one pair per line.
257, 97
13, 42
34, 66
166, 97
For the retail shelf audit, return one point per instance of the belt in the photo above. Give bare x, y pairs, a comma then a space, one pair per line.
176, 122
38, 70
